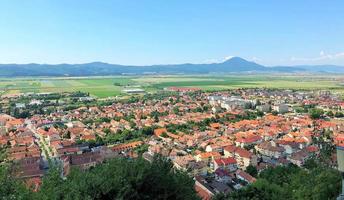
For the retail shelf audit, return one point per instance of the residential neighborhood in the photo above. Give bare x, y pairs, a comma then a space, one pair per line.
215, 137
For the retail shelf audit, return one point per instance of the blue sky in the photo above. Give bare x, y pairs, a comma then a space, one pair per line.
141, 32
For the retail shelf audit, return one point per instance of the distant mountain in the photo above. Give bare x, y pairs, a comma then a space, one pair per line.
315, 68
233, 65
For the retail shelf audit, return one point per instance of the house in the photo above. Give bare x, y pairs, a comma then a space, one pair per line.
68, 150
203, 189
299, 158
289, 146
82, 161
281, 108
88, 137
264, 108
245, 176
269, 149
198, 168
228, 163
183, 162
249, 140
14, 123
222, 175
213, 147
207, 156
243, 157
127, 146
159, 131
29, 167
206, 190
220, 187
53, 137
214, 125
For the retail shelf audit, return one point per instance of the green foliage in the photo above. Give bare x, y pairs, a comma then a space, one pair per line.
116, 179
252, 170
51, 188
3, 153
260, 113
141, 149
121, 179
339, 115
164, 135
261, 189
280, 174
292, 182
329, 113
300, 110
274, 112
316, 113
126, 135
11, 188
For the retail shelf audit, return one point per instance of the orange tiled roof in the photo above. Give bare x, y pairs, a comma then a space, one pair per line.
159, 131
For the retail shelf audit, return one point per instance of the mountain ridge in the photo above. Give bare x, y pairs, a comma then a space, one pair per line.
232, 65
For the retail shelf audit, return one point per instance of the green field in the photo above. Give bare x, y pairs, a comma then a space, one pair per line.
112, 86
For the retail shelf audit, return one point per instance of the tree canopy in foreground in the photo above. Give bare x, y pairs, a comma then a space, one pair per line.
138, 179
116, 179
291, 182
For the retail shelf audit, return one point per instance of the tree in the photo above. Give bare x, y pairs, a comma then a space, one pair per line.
147, 131
122, 179
3, 153
292, 182
330, 113
141, 149
156, 118
339, 115
164, 135
252, 170
10, 187
316, 113
67, 135
261, 189
299, 110
52, 185
260, 113
176, 110
274, 112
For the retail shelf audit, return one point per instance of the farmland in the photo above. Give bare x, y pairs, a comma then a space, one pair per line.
113, 85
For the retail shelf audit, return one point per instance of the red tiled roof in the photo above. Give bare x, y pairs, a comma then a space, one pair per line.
225, 161
126, 146
244, 153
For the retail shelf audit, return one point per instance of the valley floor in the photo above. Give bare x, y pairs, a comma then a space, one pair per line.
111, 86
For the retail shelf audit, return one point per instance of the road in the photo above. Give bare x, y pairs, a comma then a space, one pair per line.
46, 154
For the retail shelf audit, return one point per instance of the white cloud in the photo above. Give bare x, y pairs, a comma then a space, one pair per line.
322, 57
255, 59
227, 58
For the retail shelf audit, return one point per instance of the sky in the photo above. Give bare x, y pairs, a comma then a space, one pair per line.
144, 32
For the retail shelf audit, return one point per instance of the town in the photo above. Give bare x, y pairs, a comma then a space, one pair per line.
222, 139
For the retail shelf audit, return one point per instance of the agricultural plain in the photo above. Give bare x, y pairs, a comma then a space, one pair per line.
110, 86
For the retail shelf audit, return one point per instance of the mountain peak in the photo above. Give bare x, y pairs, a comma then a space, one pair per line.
235, 60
